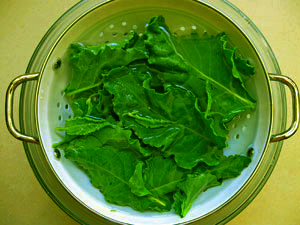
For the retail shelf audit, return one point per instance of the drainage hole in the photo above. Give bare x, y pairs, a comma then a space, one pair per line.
66, 106
57, 153
250, 152
237, 136
58, 105
57, 64
59, 117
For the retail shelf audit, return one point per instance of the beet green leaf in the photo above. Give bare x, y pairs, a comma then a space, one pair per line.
150, 116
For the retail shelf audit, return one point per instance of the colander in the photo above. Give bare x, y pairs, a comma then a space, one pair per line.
44, 106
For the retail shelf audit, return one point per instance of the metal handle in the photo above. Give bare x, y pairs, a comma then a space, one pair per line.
295, 103
9, 107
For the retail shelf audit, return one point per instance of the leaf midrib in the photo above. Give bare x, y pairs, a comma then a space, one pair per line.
92, 166
164, 185
178, 124
204, 75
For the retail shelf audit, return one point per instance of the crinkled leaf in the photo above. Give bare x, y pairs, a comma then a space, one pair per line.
162, 53
89, 62
224, 82
84, 61
115, 57
209, 60
177, 122
163, 102
229, 167
97, 105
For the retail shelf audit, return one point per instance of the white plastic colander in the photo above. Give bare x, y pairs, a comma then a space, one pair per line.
44, 106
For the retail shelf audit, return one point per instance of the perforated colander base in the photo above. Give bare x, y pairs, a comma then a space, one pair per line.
248, 131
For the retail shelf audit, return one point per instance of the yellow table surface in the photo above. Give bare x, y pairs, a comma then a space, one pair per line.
22, 199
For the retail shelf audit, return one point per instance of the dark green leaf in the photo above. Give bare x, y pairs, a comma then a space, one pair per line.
83, 126
84, 62
169, 120
159, 43
162, 175
89, 62
190, 189
136, 182
110, 171
229, 167
150, 116
208, 60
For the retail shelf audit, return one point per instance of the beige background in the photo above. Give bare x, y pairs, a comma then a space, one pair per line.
22, 199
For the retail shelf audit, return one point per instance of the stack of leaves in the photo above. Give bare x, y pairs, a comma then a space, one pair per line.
150, 114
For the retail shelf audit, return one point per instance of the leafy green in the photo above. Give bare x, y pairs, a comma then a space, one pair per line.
88, 62
162, 175
177, 122
150, 114
137, 183
211, 66
190, 189
229, 167
110, 170
83, 126
205, 177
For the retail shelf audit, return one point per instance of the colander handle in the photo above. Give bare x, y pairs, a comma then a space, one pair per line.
9, 100
295, 103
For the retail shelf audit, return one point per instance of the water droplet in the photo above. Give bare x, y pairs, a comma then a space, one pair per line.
124, 23
182, 28
194, 27
111, 26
